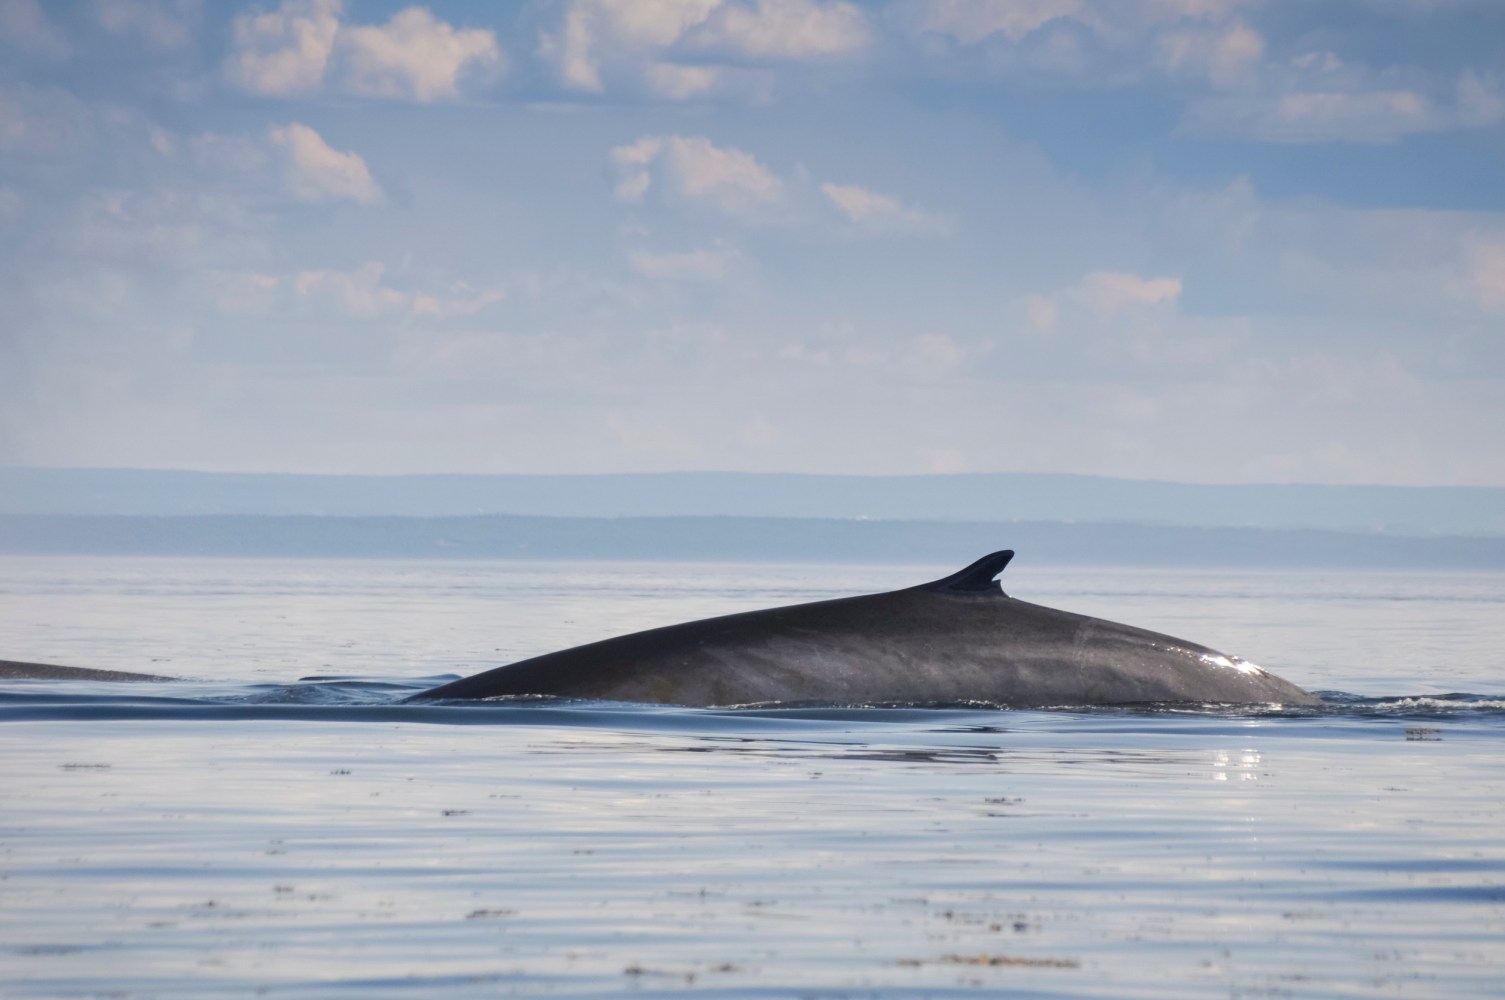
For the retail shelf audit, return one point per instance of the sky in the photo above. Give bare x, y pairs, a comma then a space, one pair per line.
1199, 240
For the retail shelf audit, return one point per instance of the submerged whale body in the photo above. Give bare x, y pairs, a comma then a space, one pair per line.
958, 639
20, 670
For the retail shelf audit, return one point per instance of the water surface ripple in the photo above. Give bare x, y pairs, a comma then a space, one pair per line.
247, 833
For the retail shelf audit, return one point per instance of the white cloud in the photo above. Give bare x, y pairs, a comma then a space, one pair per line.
1380, 112
677, 48
359, 293
1313, 96
971, 21
729, 178
697, 170
1118, 314
285, 51
1379, 267
882, 213
929, 356
705, 264
1363, 116
1485, 263
1114, 21
362, 294
1480, 101
1317, 97
572, 50
24, 25
414, 55
859, 204
1110, 292
1041, 314
462, 301
316, 172
784, 29
243, 291
693, 169
598, 31
1318, 61
1100, 42
1227, 56
163, 24
632, 164
939, 349
649, 22
681, 82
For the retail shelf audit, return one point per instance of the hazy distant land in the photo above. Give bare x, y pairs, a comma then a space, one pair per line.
731, 538
980, 497
728, 516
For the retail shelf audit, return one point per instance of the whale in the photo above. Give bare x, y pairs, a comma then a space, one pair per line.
957, 640
22, 670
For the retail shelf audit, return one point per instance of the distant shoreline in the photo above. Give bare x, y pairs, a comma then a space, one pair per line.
1003, 497
757, 539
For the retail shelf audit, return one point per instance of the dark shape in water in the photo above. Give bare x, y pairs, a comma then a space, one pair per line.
17, 670
959, 639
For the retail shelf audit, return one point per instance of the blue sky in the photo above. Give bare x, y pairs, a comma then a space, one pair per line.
1206, 240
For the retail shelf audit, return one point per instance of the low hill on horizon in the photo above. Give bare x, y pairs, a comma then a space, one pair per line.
732, 539
965, 497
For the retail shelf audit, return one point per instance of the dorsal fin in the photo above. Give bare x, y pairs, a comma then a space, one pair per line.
978, 578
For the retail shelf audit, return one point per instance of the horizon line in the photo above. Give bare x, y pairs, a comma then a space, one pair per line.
968, 474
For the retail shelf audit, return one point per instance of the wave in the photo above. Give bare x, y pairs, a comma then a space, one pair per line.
358, 699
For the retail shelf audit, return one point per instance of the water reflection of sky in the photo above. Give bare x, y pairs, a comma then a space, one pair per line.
1149, 857
321, 840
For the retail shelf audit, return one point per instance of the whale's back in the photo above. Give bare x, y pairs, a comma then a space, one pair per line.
924, 645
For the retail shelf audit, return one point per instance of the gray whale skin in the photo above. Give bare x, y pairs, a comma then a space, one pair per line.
958, 639
20, 670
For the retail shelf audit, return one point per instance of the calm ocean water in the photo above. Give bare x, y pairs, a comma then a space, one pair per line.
245, 832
